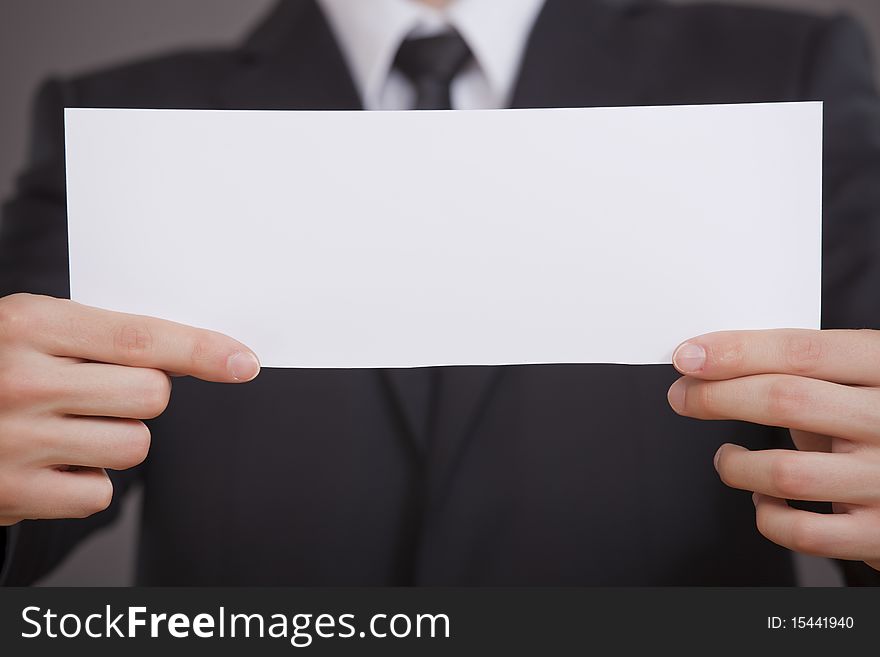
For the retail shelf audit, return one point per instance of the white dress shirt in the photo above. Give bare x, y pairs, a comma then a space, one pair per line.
370, 32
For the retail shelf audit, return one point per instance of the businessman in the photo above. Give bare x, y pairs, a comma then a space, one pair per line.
759, 443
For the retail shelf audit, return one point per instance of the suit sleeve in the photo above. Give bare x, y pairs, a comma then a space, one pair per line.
33, 229
33, 258
840, 73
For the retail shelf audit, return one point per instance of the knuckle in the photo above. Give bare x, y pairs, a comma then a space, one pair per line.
762, 522
24, 440
21, 387
155, 393
9, 441
788, 477
802, 352
729, 354
204, 348
16, 312
100, 499
702, 399
201, 349
11, 494
726, 476
725, 473
786, 400
136, 446
868, 336
805, 536
105, 496
133, 341
8, 389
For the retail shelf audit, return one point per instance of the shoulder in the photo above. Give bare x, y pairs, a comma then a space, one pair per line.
757, 53
722, 19
719, 28
185, 79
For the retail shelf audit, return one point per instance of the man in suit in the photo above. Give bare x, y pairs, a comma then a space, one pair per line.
578, 474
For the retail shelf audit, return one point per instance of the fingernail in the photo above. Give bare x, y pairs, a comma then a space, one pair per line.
755, 499
717, 456
689, 358
676, 395
243, 366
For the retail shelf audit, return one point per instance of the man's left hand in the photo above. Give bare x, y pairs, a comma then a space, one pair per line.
825, 387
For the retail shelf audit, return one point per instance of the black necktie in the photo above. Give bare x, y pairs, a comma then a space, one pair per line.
431, 64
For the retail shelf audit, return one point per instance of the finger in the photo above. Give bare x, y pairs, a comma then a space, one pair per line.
64, 328
77, 388
96, 389
838, 536
783, 401
81, 441
808, 441
792, 475
54, 494
849, 357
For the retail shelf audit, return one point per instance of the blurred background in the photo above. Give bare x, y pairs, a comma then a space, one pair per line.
39, 38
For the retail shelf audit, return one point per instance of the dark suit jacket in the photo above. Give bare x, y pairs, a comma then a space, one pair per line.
575, 474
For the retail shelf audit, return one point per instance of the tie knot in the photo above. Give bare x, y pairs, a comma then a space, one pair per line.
433, 60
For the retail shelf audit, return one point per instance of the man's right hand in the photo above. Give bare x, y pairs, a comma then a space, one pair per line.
75, 383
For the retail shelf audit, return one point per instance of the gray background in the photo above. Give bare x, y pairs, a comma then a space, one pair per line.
45, 37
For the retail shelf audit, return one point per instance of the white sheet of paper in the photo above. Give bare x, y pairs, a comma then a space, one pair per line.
404, 239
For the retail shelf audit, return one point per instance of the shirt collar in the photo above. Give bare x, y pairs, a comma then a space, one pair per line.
370, 33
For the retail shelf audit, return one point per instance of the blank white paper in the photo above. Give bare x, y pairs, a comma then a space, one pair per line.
405, 239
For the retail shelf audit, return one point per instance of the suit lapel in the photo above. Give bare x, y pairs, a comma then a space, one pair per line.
413, 393
462, 394
586, 53
291, 62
